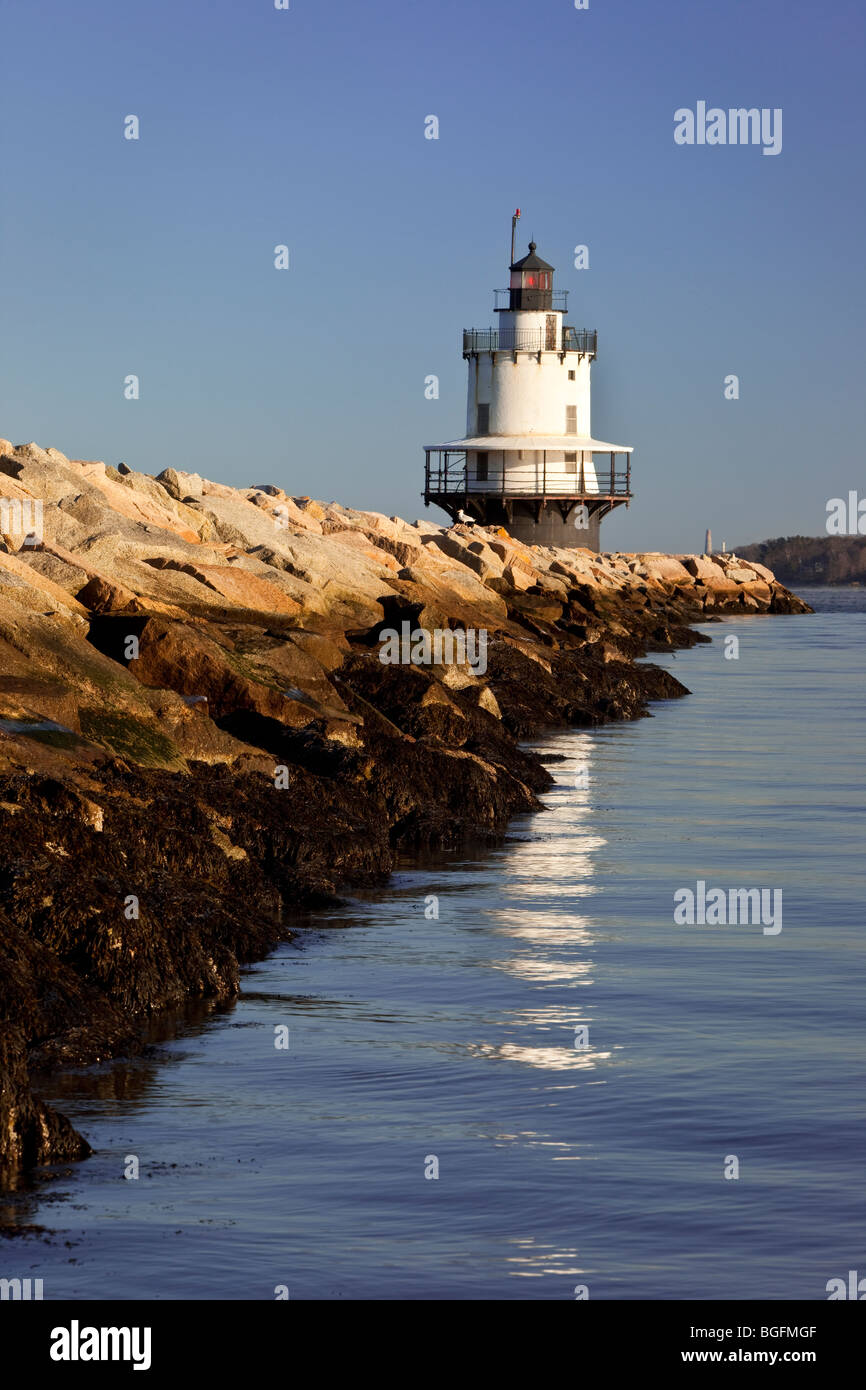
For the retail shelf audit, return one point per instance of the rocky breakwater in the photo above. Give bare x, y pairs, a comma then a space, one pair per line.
198, 736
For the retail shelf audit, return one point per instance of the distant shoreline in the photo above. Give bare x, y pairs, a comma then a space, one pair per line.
820, 562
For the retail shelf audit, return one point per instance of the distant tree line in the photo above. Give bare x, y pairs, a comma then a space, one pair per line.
811, 559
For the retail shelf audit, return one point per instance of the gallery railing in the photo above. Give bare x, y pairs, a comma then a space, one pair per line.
583, 340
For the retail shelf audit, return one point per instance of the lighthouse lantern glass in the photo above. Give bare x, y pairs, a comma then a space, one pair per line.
531, 280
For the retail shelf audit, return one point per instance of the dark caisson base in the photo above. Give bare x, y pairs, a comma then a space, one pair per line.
564, 523
552, 530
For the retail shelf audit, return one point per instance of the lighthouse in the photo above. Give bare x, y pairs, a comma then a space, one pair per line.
528, 461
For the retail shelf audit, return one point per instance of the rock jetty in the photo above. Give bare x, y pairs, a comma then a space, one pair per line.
199, 738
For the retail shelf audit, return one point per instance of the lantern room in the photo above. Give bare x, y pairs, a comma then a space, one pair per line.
531, 284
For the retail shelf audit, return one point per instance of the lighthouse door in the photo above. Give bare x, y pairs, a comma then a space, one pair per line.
550, 332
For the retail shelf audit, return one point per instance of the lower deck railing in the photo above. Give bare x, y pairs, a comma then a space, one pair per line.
445, 475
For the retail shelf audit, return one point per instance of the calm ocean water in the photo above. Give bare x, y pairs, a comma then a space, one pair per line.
412, 1039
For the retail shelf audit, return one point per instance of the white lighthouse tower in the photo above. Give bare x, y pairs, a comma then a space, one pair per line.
528, 459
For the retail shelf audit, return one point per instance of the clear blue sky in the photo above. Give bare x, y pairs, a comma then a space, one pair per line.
306, 127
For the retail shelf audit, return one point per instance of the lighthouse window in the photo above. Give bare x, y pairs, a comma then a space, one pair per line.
484, 419
481, 468
571, 463
571, 419
572, 376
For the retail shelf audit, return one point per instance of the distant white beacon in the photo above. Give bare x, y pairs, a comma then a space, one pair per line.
527, 461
